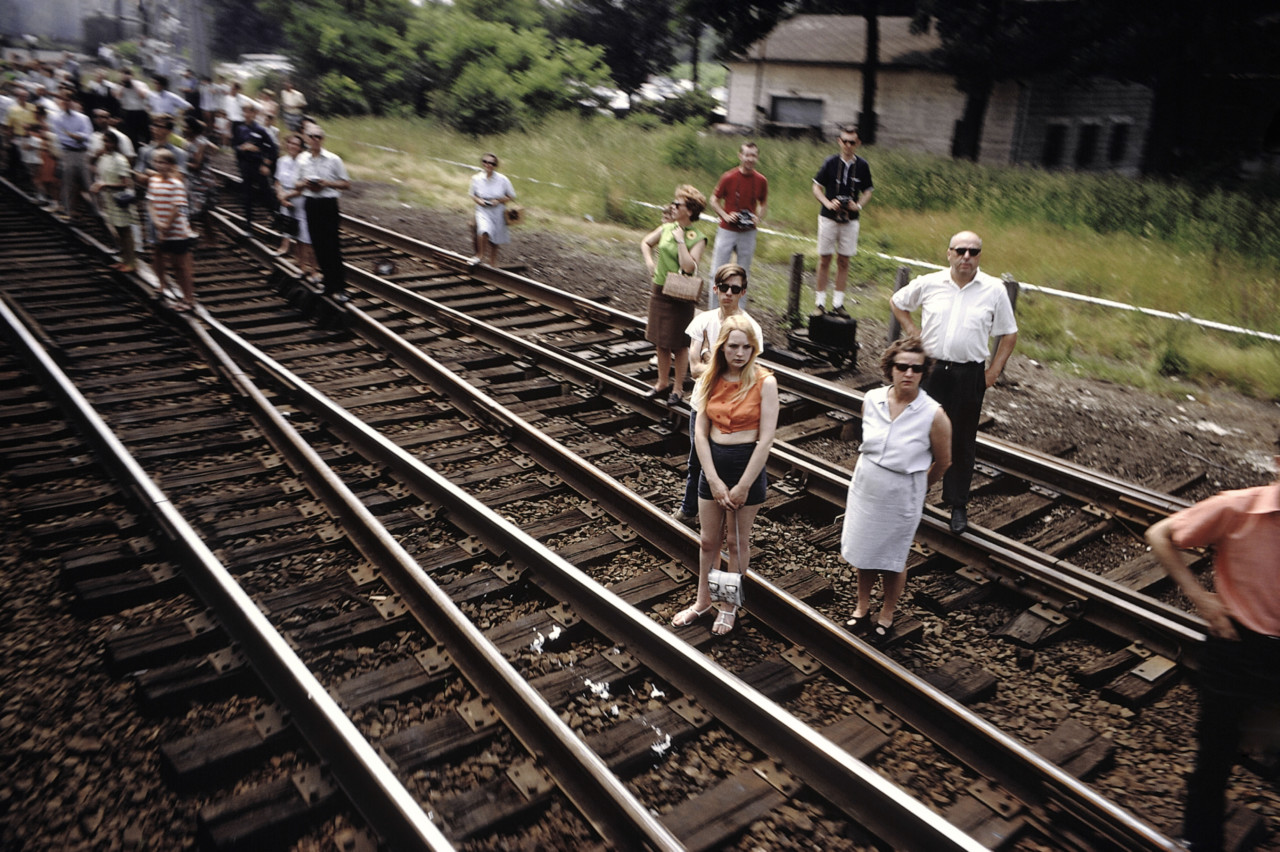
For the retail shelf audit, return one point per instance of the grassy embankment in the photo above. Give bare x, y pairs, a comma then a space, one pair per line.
1163, 246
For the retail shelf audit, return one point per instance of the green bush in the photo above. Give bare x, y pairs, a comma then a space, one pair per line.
338, 94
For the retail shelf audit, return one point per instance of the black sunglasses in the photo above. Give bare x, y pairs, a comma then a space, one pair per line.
963, 250
908, 368
489, 162
730, 288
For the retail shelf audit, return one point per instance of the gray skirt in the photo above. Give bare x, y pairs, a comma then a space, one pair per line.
881, 515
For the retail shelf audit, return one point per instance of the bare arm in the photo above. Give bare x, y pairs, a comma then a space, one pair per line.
820, 193
909, 328
764, 443
690, 257
940, 443
702, 442
1210, 605
647, 245
1003, 351
865, 197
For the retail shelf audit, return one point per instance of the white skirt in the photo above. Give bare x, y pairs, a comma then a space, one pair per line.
882, 513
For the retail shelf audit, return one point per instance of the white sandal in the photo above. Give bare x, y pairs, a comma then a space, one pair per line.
689, 615
725, 619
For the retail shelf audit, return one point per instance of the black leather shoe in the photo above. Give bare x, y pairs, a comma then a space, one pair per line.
959, 519
840, 312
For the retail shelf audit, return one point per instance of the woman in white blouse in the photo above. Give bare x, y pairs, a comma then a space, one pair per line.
491, 191
906, 447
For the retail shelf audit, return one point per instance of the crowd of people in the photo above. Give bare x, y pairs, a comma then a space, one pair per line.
139, 154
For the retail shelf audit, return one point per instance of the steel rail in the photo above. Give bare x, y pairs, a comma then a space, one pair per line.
998, 753
963, 733
879, 805
356, 766
1138, 502
1077, 591
598, 794
1140, 618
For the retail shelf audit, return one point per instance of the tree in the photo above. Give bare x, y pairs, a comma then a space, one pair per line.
239, 26
988, 41
638, 36
488, 76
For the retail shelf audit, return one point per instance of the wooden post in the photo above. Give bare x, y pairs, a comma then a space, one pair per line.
1013, 287
900, 280
796, 285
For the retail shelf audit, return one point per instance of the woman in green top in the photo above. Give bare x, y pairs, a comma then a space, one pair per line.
670, 247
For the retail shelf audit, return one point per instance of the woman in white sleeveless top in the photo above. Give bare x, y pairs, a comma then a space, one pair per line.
906, 447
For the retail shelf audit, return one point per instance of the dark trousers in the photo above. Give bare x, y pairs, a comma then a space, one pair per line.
689, 505
135, 126
256, 189
322, 222
1235, 678
959, 388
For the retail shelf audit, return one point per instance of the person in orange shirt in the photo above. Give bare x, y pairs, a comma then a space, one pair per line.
1240, 663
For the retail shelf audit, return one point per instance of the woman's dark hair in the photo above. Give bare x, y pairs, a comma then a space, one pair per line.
896, 348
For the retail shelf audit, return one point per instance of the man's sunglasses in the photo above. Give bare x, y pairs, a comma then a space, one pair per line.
729, 288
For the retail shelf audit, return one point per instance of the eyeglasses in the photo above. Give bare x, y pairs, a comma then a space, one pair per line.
730, 288
908, 368
677, 204
489, 162
963, 250
844, 141
315, 135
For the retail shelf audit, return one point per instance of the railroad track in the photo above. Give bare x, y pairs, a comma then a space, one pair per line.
461, 411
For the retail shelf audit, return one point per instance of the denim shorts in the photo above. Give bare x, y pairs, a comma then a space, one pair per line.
731, 462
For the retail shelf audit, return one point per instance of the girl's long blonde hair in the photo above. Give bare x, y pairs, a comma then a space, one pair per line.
751, 373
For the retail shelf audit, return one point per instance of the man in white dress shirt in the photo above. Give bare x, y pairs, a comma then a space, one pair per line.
321, 179
961, 308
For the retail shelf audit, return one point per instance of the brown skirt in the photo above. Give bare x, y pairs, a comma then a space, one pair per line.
668, 318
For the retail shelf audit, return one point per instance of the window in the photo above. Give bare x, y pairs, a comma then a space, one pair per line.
1055, 144
1118, 144
1087, 145
806, 112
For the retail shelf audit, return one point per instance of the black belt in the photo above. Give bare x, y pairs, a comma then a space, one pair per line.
948, 365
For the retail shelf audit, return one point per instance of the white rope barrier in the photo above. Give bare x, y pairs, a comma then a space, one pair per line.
1049, 291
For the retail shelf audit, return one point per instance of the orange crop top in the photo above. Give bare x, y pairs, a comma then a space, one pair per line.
735, 415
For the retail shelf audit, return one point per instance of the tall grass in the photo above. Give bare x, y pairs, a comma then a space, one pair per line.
1164, 245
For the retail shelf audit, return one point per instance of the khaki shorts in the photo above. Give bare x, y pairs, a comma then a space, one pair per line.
837, 237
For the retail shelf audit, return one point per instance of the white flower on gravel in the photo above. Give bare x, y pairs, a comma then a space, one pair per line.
599, 690
657, 693
661, 746
536, 647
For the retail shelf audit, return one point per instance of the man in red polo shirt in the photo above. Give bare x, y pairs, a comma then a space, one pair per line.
740, 199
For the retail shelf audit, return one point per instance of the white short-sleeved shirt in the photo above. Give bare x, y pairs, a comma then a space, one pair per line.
708, 323
957, 321
327, 166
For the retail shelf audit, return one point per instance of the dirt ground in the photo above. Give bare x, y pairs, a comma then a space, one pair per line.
1157, 441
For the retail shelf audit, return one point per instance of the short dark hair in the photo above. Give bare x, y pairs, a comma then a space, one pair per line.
896, 348
729, 270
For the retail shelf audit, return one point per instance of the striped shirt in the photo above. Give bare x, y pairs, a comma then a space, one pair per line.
167, 203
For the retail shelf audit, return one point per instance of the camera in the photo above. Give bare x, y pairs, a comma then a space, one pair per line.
845, 201
745, 220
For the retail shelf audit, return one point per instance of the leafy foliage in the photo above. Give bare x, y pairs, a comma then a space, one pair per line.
481, 66
490, 77
638, 36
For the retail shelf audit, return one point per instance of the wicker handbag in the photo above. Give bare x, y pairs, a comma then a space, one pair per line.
686, 288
